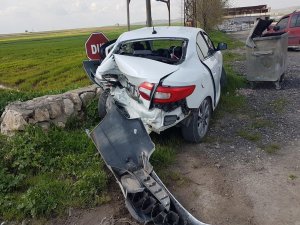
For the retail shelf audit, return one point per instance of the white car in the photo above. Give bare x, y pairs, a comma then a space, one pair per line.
165, 76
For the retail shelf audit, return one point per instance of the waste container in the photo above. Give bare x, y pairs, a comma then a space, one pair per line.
266, 55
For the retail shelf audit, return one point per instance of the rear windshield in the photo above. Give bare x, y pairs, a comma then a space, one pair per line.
170, 51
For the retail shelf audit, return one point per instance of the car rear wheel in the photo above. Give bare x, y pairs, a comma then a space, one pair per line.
198, 125
102, 103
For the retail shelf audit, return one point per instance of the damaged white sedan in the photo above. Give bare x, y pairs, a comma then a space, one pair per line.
165, 76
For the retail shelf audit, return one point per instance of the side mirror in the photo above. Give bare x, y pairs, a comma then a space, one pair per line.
276, 28
221, 46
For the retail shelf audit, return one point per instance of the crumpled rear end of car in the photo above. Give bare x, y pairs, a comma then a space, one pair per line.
132, 80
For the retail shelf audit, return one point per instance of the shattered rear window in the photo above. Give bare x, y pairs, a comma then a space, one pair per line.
170, 51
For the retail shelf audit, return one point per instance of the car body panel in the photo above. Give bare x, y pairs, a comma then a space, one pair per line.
138, 69
204, 86
161, 32
108, 66
152, 118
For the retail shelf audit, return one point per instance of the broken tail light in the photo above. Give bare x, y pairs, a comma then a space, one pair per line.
165, 94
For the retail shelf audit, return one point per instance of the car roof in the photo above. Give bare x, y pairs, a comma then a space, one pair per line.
291, 14
161, 32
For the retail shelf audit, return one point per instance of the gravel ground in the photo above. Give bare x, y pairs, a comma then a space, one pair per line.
247, 171
244, 181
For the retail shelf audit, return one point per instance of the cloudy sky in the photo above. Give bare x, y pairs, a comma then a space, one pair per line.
39, 15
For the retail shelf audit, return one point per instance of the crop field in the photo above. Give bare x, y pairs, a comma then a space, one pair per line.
45, 62
38, 168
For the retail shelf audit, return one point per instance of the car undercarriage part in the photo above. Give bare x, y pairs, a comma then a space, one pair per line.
126, 147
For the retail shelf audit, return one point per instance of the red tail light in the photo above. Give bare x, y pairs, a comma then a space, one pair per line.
165, 94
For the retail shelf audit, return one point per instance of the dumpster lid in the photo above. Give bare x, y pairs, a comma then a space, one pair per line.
259, 27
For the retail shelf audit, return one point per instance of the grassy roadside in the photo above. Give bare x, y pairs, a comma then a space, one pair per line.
230, 101
42, 174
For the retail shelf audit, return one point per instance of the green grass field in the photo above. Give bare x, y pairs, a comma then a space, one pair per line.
46, 62
37, 169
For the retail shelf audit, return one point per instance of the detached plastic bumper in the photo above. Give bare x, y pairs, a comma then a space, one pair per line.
126, 147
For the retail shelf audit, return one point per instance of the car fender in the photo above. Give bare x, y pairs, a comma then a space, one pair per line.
108, 66
193, 72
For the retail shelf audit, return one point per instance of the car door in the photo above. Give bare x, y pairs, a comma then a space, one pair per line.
294, 30
211, 58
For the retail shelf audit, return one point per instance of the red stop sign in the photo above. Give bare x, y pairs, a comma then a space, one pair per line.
93, 44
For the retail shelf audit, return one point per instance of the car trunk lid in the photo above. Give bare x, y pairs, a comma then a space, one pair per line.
138, 70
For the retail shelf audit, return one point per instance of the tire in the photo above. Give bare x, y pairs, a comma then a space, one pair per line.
223, 80
197, 127
102, 103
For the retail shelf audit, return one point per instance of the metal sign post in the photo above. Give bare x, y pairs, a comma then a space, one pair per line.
128, 15
148, 10
169, 8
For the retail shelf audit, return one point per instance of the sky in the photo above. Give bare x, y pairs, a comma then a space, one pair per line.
16, 16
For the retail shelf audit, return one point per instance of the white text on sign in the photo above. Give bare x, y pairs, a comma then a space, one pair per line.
96, 48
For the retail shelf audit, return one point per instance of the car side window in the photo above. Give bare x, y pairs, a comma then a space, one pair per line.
202, 47
209, 42
295, 22
283, 23
199, 52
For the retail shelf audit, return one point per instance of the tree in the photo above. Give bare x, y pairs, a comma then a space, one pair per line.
210, 12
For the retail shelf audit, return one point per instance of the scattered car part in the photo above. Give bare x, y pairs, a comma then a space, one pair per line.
126, 147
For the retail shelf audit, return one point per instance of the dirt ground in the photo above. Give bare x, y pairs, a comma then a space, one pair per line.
234, 179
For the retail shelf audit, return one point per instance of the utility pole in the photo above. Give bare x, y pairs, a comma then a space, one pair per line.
148, 10
190, 13
128, 15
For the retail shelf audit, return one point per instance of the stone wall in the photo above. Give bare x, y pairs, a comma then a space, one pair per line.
45, 110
